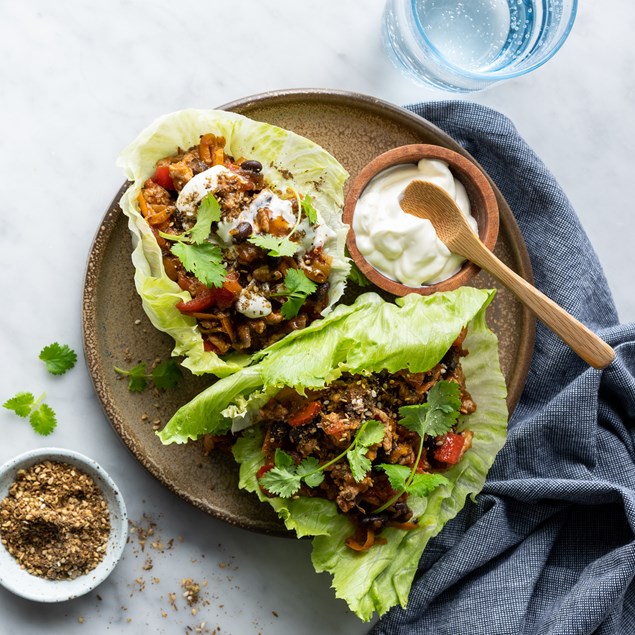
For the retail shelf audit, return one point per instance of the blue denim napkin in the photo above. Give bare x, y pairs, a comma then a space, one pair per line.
548, 547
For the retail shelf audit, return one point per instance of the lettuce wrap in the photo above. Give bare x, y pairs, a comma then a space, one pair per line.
288, 161
367, 337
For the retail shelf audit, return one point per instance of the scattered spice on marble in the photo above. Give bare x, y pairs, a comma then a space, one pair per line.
55, 521
191, 590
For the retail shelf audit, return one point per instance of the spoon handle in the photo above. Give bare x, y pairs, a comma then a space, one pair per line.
583, 341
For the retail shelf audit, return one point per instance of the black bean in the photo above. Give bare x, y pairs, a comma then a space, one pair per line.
241, 232
251, 166
376, 523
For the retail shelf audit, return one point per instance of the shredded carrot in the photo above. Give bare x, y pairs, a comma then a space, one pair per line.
160, 217
406, 526
204, 148
352, 543
143, 205
219, 156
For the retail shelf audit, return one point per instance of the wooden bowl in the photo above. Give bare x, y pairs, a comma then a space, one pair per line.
483, 203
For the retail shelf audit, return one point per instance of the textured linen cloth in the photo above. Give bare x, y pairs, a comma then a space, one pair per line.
548, 547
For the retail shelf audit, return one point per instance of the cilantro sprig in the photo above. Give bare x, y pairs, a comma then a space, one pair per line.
198, 256
279, 247
58, 358
433, 418
297, 287
310, 211
276, 247
40, 415
204, 261
164, 375
286, 477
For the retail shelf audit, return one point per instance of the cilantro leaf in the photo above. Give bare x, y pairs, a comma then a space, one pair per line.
137, 379
41, 415
291, 307
43, 419
438, 414
308, 209
166, 374
309, 471
204, 261
283, 460
397, 475
58, 358
433, 418
208, 212
276, 247
297, 287
286, 477
281, 482
21, 404
359, 463
371, 433
296, 282
419, 485
424, 484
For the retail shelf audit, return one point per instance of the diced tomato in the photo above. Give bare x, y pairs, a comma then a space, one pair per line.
222, 297
260, 473
263, 470
230, 290
162, 177
202, 301
451, 450
305, 414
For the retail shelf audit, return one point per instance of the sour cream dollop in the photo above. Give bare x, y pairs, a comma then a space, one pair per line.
401, 246
193, 192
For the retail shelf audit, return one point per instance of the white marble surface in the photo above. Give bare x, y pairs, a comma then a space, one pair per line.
78, 81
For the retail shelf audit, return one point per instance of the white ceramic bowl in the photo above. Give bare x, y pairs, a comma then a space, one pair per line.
16, 579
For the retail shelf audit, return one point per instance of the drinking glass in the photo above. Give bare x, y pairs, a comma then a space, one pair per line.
464, 46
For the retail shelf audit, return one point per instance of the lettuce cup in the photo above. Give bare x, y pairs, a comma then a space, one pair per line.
237, 233
367, 430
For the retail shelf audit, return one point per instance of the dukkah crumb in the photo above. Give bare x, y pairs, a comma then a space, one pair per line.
55, 521
191, 591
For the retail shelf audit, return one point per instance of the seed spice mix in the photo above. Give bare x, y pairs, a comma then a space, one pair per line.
55, 521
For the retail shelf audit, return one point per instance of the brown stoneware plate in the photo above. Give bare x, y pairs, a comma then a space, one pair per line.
354, 128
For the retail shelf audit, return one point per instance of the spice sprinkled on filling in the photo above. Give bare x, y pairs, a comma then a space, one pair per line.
55, 521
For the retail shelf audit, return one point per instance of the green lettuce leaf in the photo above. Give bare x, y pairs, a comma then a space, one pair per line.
368, 336
288, 160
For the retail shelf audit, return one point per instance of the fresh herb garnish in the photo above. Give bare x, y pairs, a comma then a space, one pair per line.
205, 261
371, 433
208, 213
419, 485
308, 209
58, 358
199, 257
279, 247
297, 287
286, 478
435, 417
276, 247
41, 416
164, 375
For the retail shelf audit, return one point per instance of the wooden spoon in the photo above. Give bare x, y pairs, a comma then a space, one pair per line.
426, 200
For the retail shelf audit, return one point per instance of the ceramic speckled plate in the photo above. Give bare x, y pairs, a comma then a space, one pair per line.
354, 128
